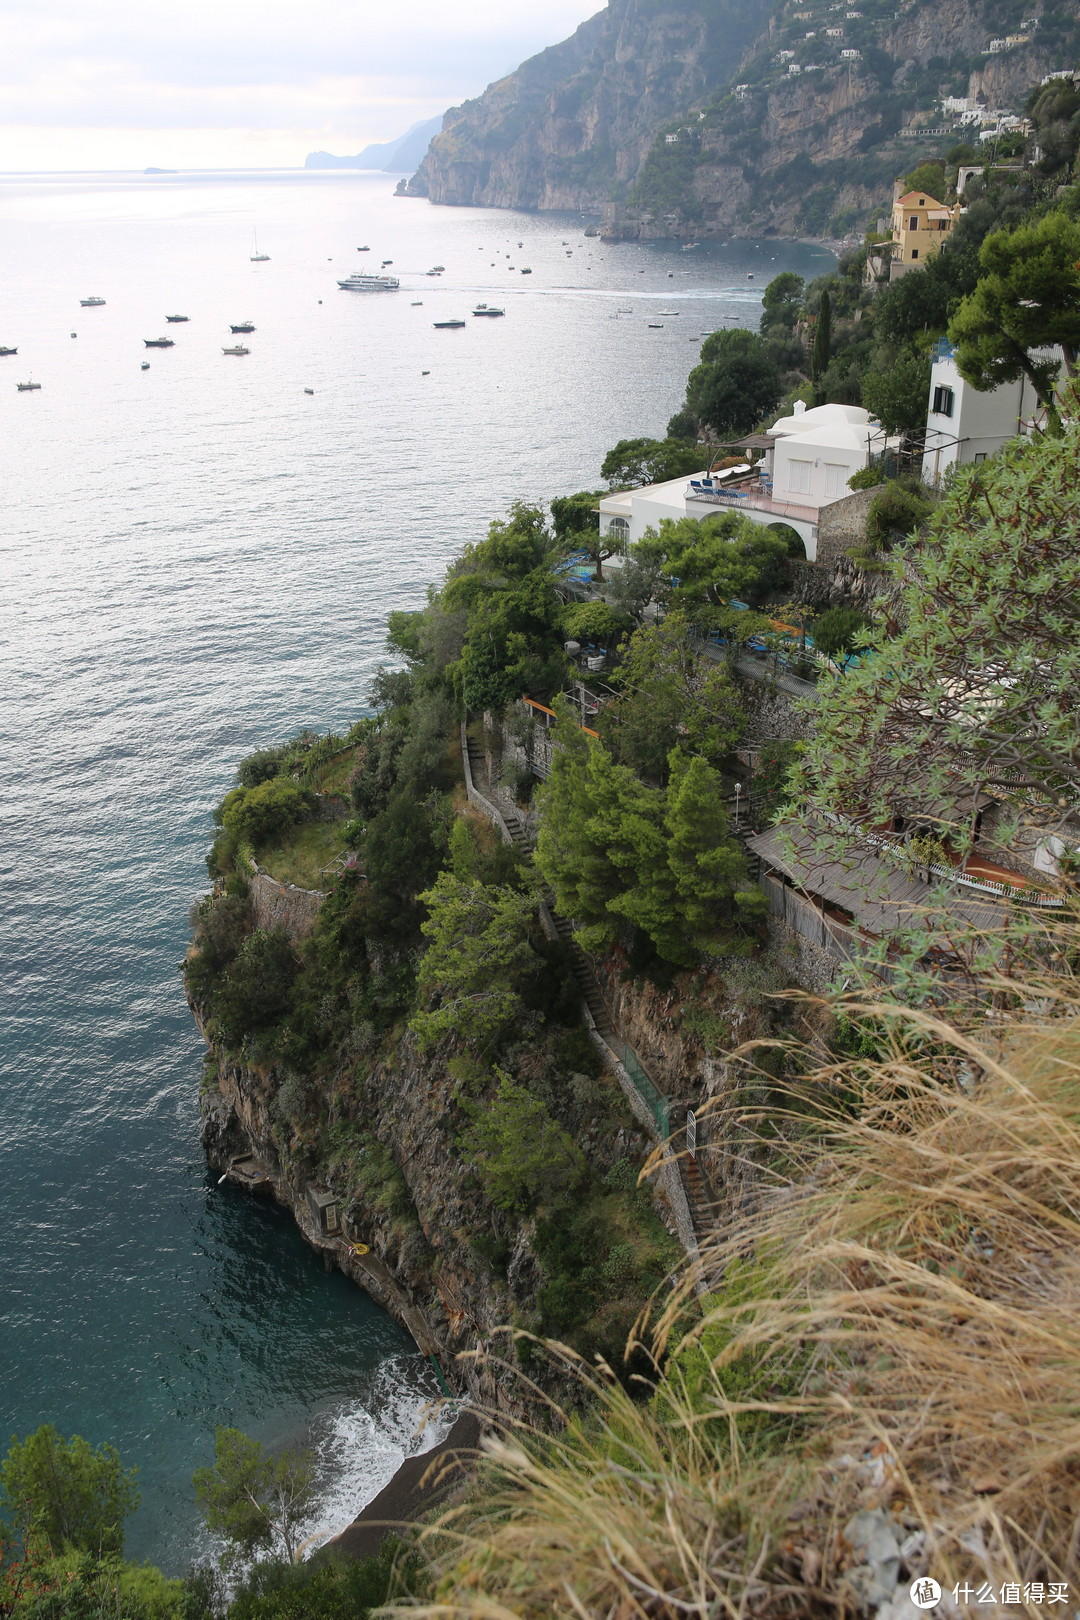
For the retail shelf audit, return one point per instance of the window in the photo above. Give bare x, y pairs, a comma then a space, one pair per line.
799, 477
913, 223
943, 401
835, 478
980, 455
914, 253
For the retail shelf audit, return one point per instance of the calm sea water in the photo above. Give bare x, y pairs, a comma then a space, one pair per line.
195, 560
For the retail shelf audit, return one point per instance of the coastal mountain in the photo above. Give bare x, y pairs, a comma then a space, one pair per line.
698, 117
392, 157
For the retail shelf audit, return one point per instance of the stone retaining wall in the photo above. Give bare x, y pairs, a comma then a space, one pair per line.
283, 905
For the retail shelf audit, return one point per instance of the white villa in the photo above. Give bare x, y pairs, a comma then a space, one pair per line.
964, 425
809, 457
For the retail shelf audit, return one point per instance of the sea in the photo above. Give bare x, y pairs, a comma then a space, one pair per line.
197, 559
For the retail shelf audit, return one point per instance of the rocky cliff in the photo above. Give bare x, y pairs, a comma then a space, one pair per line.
573, 124
695, 117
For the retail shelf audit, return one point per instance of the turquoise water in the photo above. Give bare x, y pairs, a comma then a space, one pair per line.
194, 561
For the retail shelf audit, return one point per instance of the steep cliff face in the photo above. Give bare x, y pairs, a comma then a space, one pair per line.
695, 117
575, 122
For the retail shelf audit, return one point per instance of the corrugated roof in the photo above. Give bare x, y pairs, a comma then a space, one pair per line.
878, 893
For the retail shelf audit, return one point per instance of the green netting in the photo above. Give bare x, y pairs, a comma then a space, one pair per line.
655, 1102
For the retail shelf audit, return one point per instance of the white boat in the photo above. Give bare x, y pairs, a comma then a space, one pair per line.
91, 303
256, 256
237, 348
362, 283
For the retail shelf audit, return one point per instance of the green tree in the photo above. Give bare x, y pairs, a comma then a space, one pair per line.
593, 621
254, 991
836, 632
513, 644
255, 1499
899, 395
735, 385
928, 178
513, 549
477, 955
633, 462
585, 847
895, 512
77, 1496
669, 690
822, 350
1027, 299
258, 814
717, 560
782, 301
524, 1157
577, 527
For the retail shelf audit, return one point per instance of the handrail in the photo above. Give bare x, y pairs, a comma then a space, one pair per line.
589, 732
1022, 890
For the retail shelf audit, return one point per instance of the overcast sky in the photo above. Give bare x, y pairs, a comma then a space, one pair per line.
88, 84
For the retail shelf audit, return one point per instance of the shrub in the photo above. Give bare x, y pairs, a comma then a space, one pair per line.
258, 814
254, 992
867, 477
262, 766
522, 1155
894, 514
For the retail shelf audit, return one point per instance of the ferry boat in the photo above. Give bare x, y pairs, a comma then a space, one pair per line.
91, 303
159, 343
362, 283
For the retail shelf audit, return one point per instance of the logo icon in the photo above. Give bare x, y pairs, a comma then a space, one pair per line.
925, 1593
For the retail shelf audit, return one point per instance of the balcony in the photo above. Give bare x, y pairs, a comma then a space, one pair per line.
757, 495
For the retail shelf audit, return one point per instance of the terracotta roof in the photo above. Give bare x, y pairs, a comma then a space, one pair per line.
911, 199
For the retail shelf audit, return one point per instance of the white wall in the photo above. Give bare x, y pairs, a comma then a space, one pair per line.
980, 423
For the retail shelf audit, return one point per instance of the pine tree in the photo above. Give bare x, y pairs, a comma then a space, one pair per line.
708, 868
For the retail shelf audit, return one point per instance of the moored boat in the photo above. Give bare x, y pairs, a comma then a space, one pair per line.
488, 309
442, 325
91, 303
237, 348
27, 387
175, 318
244, 326
159, 343
4, 351
255, 256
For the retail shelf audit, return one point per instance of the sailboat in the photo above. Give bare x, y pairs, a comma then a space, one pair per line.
256, 256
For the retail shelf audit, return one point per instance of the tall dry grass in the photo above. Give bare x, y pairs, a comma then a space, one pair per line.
898, 1333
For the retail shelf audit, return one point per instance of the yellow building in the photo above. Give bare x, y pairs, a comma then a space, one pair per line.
920, 228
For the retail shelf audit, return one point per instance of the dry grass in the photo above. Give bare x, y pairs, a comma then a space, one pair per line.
303, 854
915, 1325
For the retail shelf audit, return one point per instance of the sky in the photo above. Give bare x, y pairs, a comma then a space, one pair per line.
124, 84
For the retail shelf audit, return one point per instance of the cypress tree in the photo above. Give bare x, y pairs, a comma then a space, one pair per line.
819, 360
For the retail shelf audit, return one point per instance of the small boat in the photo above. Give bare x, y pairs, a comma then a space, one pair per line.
486, 309
521, 244
8, 351
175, 318
442, 325
439, 267
433, 272
360, 283
91, 303
363, 250
27, 387
256, 256
526, 272
417, 303
309, 390
237, 348
749, 275
425, 374
656, 326
159, 343
668, 312
74, 334
245, 326
145, 366
385, 262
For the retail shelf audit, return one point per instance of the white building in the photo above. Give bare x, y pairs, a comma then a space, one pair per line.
964, 425
809, 458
